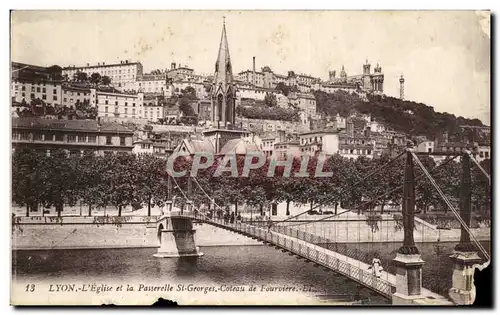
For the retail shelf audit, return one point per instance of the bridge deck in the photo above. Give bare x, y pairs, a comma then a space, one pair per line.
347, 266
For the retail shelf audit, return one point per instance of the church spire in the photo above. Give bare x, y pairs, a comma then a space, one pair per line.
222, 89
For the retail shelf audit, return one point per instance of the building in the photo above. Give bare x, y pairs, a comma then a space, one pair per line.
75, 95
306, 102
202, 108
353, 143
123, 75
483, 152
153, 84
369, 82
30, 82
119, 105
425, 146
74, 136
325, 141
267, 79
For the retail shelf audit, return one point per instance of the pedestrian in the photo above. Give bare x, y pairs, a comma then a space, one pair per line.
376, 267
269, 223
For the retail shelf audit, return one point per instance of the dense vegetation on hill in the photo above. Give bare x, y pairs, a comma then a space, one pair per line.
403, 116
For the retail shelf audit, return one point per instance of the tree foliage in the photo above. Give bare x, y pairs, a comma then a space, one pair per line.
124, 180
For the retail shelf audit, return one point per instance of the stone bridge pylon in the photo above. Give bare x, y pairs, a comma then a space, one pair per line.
176, 237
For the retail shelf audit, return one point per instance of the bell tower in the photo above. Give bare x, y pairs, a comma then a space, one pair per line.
223, 98
223, 91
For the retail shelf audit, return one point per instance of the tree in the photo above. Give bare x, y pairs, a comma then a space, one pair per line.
119, 178
28, 172
185, 107
60, 181
270, 100
55, 73
90, 185
95, 78
283, 88
81, 76
105, 80
150, 182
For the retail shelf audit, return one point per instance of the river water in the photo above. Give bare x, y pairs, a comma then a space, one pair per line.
223, 265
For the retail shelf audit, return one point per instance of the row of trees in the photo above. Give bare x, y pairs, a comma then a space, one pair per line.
142, 181
95, 78
271, 113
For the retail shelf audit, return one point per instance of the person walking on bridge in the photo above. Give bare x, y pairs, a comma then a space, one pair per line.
376, 267
269, 223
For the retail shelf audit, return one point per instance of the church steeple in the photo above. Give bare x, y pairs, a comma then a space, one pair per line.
223, 93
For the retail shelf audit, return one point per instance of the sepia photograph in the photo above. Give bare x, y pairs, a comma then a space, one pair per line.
249, 158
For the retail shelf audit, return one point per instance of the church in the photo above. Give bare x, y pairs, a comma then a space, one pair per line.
222, 136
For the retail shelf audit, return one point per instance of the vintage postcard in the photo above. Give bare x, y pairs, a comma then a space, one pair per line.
250, 157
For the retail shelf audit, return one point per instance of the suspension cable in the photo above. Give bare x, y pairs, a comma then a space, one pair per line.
479, 166
203, 190
450, 206
379, 197
180, 189
348, 187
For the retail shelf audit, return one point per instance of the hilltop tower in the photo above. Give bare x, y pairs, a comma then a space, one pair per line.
223, 91
402, 88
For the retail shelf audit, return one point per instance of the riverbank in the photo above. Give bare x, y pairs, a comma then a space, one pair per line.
80, 232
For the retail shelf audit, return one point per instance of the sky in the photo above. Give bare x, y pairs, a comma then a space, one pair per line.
443, 55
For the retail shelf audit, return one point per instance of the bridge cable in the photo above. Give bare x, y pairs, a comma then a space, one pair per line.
450, 206
377, 198
348, 187
479, 166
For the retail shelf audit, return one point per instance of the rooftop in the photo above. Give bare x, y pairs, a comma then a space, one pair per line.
68, 125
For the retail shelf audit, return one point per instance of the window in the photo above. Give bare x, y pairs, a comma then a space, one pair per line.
108, 140
44, 97
54, 98
49, 137
54, 91
116, 102
133, 111
59, 137
351, 151
92, 139
106, 102
32, 96
65, 100
429, 150
82, 138
25, 135
37, 136
44, 90
23, 88
106, 109
133, 104
24, 94
122, 140
71, 138
369, 151
126, 103
38, 89
126, 110
486, 155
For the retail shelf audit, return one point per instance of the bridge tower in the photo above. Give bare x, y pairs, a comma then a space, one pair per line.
465, 255
176, 234
408, 260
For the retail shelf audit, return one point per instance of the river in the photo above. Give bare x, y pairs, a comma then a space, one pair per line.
223, 265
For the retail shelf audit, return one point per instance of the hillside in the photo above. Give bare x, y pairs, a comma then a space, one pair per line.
403, 116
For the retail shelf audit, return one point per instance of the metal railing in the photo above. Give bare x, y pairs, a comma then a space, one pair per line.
301, 244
